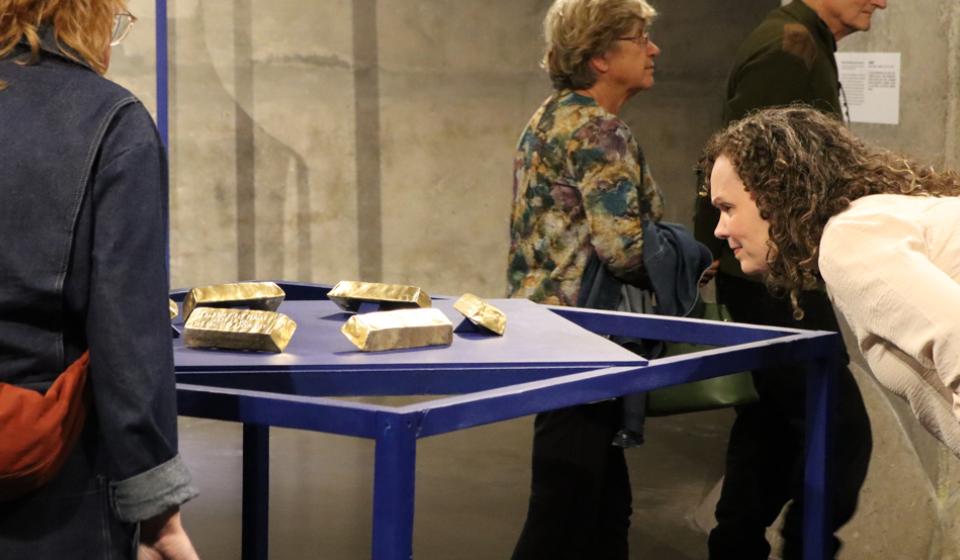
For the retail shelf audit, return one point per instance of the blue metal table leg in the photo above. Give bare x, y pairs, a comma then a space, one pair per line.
256, 491
163, 106
818, 511
393, 487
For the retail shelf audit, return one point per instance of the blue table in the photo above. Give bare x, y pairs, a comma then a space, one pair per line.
550, 357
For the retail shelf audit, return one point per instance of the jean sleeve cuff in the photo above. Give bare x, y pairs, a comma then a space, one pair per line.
152, 492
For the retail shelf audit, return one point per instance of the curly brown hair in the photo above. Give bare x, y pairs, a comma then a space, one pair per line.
802, 167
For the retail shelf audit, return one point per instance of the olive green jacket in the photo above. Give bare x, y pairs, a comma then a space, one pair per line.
787, 59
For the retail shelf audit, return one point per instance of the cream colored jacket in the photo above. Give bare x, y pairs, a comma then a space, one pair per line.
892, 268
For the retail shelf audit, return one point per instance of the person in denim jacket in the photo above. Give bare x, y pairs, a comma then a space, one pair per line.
83, 218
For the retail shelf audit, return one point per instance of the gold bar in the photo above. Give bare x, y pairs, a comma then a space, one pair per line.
349, 295
238, 329
397, 329
481, 313
173, 309
266, 296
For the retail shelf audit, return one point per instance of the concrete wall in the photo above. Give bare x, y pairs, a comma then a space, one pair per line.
374, 140
320, 141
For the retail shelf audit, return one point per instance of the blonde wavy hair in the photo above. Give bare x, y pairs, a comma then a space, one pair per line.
578, 30
82, 28
802, 167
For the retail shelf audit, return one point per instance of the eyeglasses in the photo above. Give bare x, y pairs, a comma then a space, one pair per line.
641, 40
122, 24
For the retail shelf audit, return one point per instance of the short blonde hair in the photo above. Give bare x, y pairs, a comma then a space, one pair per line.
578, 30
84, 27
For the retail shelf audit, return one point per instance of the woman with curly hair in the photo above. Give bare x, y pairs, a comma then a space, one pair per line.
801, 200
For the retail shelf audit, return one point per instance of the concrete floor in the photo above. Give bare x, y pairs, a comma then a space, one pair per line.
472, 488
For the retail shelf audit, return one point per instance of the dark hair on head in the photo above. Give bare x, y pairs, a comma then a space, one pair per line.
802, 167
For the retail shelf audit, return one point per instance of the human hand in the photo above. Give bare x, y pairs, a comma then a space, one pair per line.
164, 538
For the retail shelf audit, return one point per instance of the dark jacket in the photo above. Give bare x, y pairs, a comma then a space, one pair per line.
673, 262
83, 218
788, 58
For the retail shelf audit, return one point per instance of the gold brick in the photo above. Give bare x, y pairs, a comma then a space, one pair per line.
349, 295
481, 313
173, 309
265, 296
238, 329
397, 329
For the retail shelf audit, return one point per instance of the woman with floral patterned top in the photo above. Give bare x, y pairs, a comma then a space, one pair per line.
581, 188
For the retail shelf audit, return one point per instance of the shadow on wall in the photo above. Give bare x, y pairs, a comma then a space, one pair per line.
245, 202
272, 179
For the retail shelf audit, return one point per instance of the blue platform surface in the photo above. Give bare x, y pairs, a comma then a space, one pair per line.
535, 336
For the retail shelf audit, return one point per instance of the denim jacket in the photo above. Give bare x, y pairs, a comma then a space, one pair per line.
83, 218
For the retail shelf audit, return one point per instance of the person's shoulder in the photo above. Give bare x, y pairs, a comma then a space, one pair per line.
78, 75
603, 134
116, 98
601, 122
857, 241
582, 120
835, 247
578, 110
778, 35
127, 124
895, 212
591, 118
52, 75
80, 94
130, 126
855, 212
131, 110
880, 207
96, 97
871, 217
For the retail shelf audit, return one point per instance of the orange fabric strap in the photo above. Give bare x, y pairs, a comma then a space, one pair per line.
39, 431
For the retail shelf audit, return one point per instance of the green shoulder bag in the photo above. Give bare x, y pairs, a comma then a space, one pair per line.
708, 394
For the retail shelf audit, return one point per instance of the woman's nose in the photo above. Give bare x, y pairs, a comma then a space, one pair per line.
652, 49
720, 232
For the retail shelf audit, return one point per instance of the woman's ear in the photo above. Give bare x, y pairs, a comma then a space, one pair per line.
599, 64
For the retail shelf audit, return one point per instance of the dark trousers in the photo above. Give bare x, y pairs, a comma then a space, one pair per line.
71, 517
764, 467
580, 490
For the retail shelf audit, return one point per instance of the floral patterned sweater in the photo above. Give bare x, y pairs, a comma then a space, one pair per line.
580, 186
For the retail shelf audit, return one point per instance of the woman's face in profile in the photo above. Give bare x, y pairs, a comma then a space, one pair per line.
740, 223
631, 59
